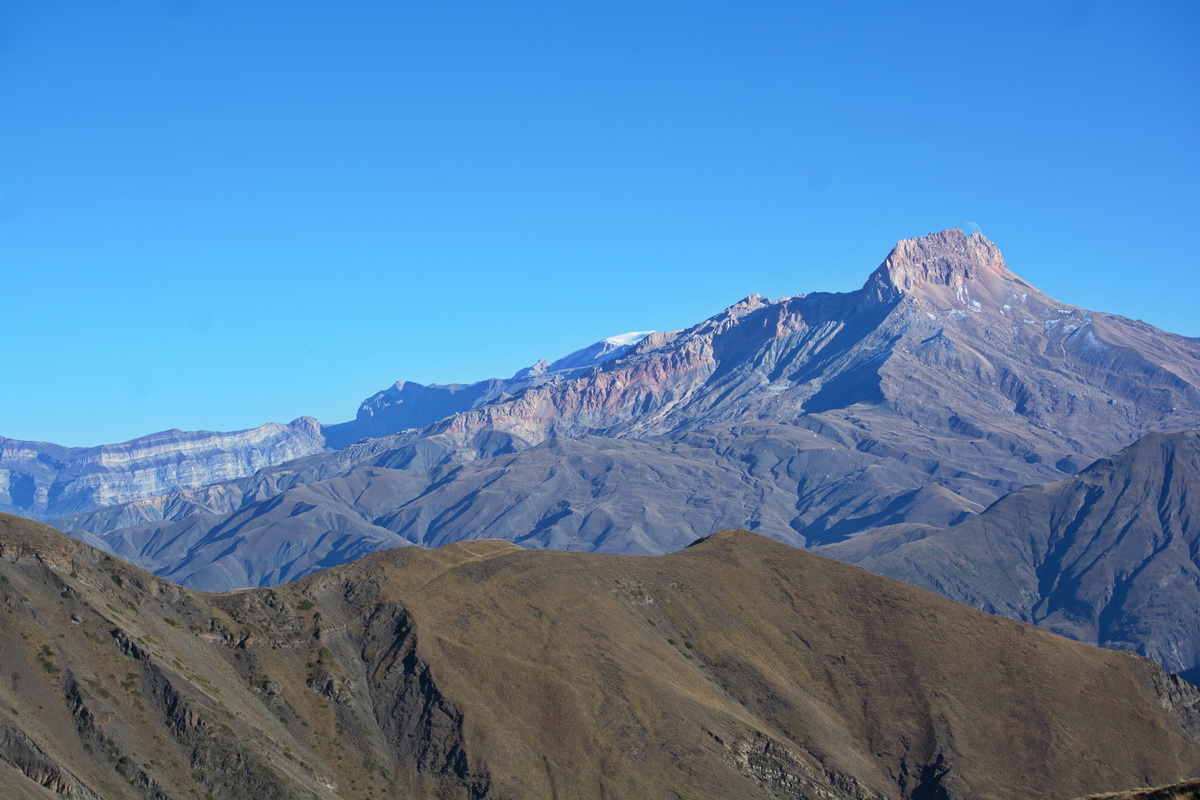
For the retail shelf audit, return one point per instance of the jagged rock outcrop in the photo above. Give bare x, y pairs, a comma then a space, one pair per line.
737, 667
43, 480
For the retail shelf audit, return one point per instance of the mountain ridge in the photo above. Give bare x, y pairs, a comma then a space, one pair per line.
1107, 556
922, 267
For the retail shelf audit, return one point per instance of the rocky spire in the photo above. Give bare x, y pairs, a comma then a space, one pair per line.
948, 258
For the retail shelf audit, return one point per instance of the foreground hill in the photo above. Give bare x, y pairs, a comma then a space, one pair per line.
1109, 556
738, 667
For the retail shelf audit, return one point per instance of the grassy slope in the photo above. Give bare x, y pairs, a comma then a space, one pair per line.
737, 667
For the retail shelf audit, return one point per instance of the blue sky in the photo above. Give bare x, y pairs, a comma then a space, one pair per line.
218, 214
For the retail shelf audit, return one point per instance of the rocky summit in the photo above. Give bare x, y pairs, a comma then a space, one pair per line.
737, 667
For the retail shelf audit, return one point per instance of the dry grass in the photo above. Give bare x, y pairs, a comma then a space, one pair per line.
738, 667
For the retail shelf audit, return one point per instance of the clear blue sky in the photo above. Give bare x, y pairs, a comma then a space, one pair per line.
218, 214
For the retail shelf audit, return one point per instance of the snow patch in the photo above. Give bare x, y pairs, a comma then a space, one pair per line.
633, 337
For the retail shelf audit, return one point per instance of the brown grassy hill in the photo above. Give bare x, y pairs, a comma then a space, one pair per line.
738, 667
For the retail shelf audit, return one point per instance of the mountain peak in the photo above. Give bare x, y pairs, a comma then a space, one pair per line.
947, 258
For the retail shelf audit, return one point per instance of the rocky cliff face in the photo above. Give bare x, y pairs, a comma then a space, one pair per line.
408, 405
738, 667
40, 479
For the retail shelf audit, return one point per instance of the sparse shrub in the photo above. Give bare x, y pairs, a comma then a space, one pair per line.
117, 580
305, 604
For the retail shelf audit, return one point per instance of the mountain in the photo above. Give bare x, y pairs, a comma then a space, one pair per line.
40, 479
738, 667
943, 352
942, 384
1109, 556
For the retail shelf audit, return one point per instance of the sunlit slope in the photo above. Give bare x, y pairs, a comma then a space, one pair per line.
738, 667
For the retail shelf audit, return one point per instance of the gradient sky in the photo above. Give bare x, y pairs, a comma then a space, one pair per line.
219, 214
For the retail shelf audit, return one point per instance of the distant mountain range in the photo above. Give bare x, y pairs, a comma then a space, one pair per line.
39, 479
738, 667
945, 383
